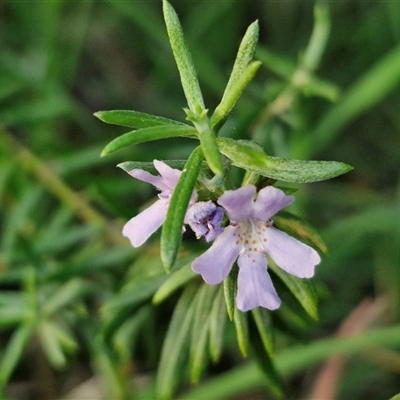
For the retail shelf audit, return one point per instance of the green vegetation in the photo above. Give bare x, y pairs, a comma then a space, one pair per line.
77, 301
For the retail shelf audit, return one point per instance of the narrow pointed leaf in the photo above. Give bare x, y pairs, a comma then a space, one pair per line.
316, 46
240, 76
13, 308
198, 345
141, 290
302, 171
175, 345
283, 67
134, 119
371, 88
174, 282
51, 345
230, 289
13, 352
172, 229
263, 359
183, 59
68, 293
242, 331
244, 154
147, 135
250, 156
303, 230
124, 338
292, 360
217, 325
245, 54
234, 92
262, 319
302, 290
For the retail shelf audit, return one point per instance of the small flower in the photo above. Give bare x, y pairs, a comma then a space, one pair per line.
248, 238
205, 219
139, 228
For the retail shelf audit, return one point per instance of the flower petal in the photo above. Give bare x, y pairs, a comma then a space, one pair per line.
139, 228
255, 288
214, 265
145, 176
269, 201
169, 175
238, 203
290, 254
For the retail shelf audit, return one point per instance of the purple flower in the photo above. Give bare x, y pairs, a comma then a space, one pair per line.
205, 219
139, 228
248, 238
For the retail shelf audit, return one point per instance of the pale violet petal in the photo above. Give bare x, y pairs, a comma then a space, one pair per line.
169, 175
269, 201
215, 264
145, 176
290, 254
238, 203
255, 288
139, 228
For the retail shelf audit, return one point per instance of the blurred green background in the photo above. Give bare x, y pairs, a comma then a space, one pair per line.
62, 257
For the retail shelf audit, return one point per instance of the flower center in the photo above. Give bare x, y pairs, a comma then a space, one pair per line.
251, 235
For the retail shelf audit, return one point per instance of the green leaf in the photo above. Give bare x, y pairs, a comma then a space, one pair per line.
301, 171
301, 79
250, 156
183, 60
302, 289
241, 75
282, 66
303, 230
134, 119
172, 229
244, 154
124, 338
70, 292
313, 53
290, 361
13, 308
315, 86
262, 319
230, 289
232, 95
147, 135
201, 322
51, 345
244, 55
139, 291
174, 282
217, 323
176, 342
242, 331
13, 352
263, 359
372, 87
